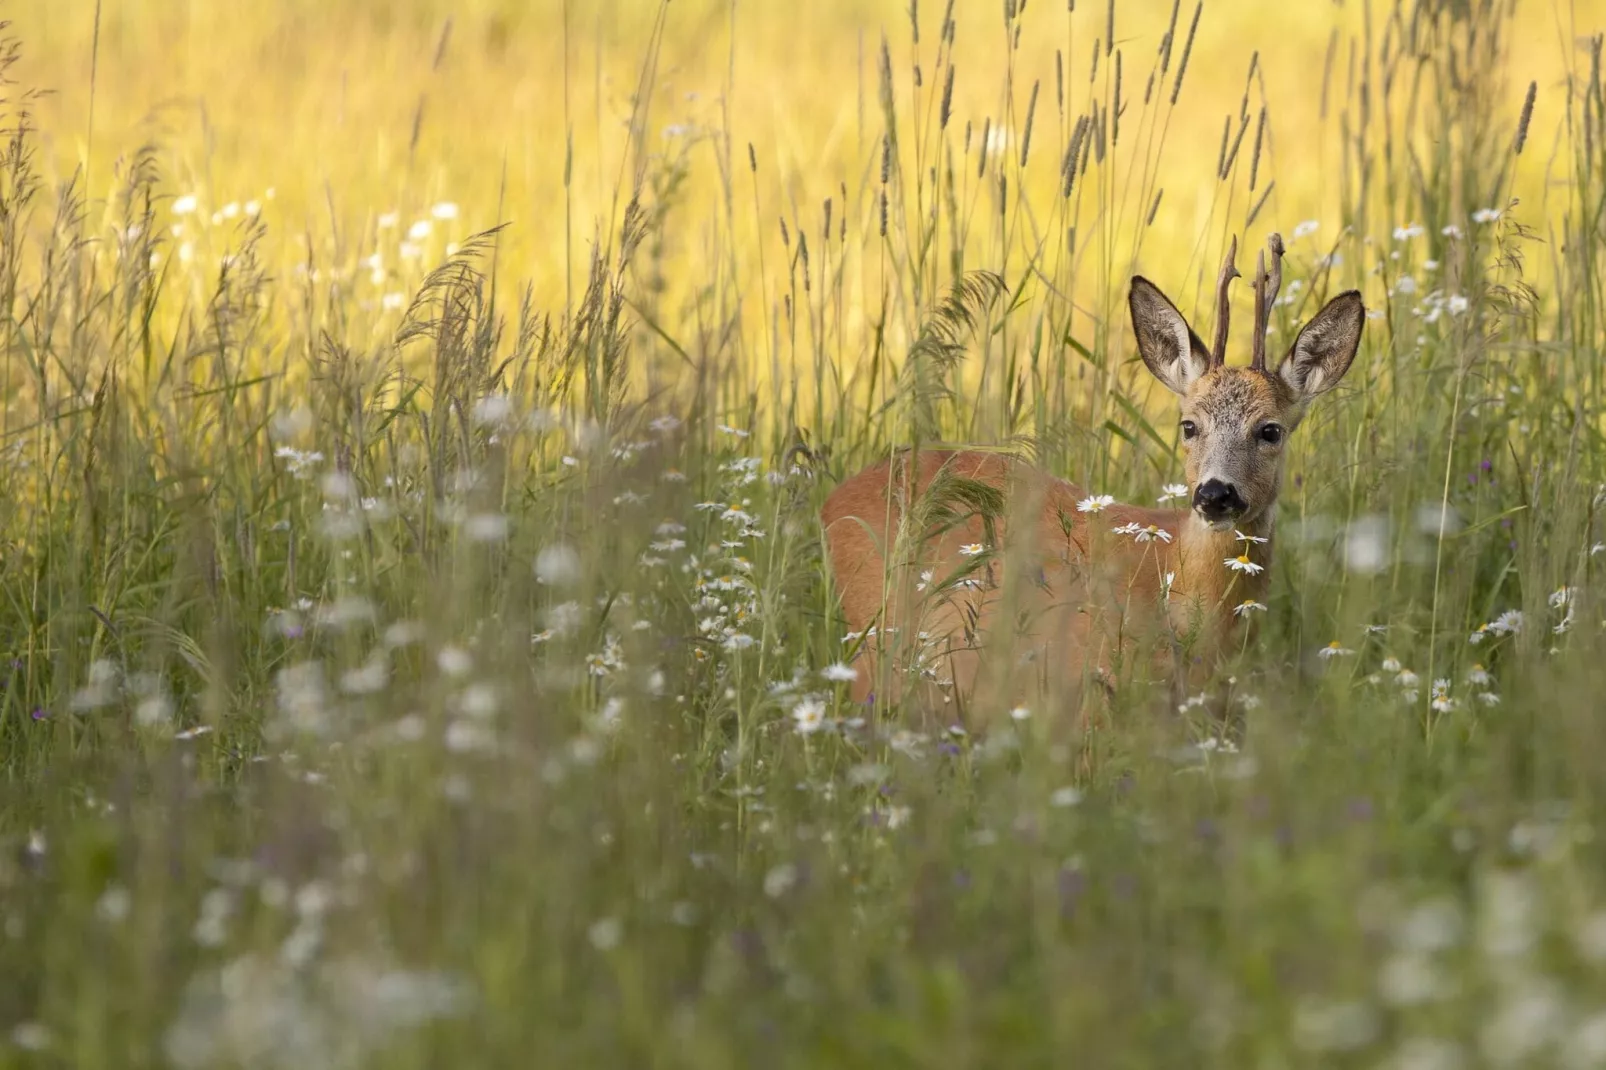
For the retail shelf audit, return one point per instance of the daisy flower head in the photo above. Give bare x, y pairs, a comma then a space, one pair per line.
840, 672
972, 549
1248, 606
1441, 701
1143, 532
1335, 649
1172, 490
1241, 563
1391, 664
1247, 539
1096, 503
808, 716
1478, 676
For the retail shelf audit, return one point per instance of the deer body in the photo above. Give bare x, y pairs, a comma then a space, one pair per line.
983, 576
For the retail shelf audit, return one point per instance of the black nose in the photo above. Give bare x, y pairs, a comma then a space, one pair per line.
1216, 500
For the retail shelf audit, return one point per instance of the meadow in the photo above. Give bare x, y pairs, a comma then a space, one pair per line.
418, 648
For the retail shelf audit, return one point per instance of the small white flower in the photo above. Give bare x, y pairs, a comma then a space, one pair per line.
1020, 713
1409, 231
1305, 228
444, 210
1408, 680
780, 880
808, 716
1065, 797
972, 549
1488, 698
1172, 490
1451, 231
1441, 700
186, 204
1143, 532
1457, 304
1241, 537
1478, 676
1247, 606
605, 934
1390, 664
1486, 215
1095, 504
839, 672
1241, 563
1405, 284
925, 580
1335, 649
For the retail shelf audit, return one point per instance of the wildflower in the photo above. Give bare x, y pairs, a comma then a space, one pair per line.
1247, 606
444, 210
972, 549
1335, 649
1486, 215
736, 431
1408, 680
839, 672
1305, 228
925, 580
1095, 504
1020, 713
492, 410
1065, 797
1390, 664
1488, 698
1409, 231
1451, 231
605, 934
1405, 284
780, 880
419, 230
1241, 563
1441, 700
1508, 623
1241, 537
1457, 304
559, 565
1478, 676
1172, 490
1143, 533
186, 204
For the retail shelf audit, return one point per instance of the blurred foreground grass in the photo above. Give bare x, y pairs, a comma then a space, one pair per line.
407, 667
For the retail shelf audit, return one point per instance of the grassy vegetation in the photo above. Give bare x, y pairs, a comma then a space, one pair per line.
409, 664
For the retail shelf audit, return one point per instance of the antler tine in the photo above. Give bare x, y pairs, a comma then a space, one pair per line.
1266, 286
1229, 271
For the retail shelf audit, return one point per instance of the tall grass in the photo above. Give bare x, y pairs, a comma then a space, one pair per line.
417, 668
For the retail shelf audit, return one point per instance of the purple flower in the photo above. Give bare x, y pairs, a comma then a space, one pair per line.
39, 713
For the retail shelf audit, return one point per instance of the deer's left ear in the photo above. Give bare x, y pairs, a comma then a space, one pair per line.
1325, 347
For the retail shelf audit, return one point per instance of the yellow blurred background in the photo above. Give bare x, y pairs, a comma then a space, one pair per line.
333, 114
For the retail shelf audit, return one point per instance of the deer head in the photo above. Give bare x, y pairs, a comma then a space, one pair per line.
1236, 420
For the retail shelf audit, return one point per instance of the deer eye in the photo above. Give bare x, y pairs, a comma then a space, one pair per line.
1189, 429
1271, 434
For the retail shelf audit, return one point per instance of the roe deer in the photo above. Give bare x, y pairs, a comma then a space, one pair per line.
991, 556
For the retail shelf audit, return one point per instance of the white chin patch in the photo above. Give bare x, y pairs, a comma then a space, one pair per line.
1215, 525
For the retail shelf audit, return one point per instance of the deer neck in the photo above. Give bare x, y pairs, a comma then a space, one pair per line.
1205, 581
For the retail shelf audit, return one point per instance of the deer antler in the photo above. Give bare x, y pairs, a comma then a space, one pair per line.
1229, 271
1266, 286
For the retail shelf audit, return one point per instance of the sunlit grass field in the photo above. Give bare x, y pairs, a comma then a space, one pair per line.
417, 644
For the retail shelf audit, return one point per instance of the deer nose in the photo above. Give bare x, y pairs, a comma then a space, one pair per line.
1216, 500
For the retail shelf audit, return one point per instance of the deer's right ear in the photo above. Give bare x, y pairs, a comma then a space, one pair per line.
1167, 344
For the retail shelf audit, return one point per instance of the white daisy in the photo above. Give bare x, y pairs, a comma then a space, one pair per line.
1095, 504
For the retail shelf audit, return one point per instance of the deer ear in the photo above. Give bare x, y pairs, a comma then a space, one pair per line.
1325, 347
1167, 344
